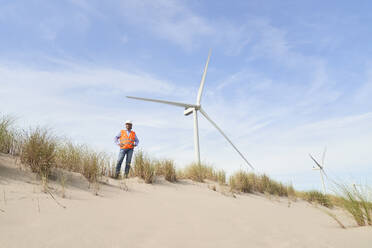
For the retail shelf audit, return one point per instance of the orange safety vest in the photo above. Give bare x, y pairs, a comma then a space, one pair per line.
125, 141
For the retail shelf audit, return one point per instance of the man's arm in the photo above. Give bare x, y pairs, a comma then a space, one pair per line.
136, 141
116, 139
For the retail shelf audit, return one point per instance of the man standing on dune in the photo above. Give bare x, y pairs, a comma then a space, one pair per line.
126, 140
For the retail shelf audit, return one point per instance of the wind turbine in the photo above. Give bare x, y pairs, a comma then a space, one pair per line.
320, 168
193, 109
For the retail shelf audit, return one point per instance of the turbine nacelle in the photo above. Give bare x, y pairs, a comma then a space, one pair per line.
188, 111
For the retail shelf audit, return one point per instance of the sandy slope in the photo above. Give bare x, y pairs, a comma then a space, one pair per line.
185, 214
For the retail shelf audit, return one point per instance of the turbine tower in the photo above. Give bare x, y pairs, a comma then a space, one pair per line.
193, 109
320, 168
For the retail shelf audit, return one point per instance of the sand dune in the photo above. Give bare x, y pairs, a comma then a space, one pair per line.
184, 214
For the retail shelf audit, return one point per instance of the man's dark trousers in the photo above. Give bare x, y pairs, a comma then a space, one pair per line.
122, 153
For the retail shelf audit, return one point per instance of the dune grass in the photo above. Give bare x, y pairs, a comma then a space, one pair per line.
144, 167
166, 168
92, 164
8, 136
246, 182
201, 172
315, 196
39, 151
42, 151
79, 158
240, 182
70, 156
356, 202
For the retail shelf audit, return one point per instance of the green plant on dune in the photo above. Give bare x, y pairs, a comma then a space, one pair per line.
70, 157
221, 177
8, 136
240, 182
143, 167
201, 172
356, 202
317, 197
165, 168
169, 170
38, 152
249, 182
195, 172
91, 166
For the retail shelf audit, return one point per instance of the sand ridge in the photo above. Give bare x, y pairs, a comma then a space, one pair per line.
135, 214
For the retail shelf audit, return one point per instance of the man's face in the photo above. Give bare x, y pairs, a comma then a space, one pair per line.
128, 126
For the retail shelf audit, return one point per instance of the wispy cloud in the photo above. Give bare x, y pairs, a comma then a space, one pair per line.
77, 76
168, 19
365, 91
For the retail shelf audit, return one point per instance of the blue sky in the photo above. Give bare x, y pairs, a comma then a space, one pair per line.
286, 78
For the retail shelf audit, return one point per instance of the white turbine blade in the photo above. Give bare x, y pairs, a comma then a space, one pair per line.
179, 104
203, 80
224, 135
316, 162
323, 156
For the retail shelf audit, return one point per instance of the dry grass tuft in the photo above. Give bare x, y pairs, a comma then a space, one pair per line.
144, 167
9, 137
70, 157
39, 151
167, 169
79, 158
314, 196
201, 172
356, 202
246, 182
240, 182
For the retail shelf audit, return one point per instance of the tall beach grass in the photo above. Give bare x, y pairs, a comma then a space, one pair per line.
39, 152
10, 138
242, 181
201, 172
166, 168
314, 196
143, 167
356, 201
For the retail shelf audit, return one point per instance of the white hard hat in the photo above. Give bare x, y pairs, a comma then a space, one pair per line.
128, 122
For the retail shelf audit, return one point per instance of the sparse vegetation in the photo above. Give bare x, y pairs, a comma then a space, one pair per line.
42, 151
240, 182
314, 196
356, 202
167, 169
246, 182
39, 151
8, 136
144, 167
92, 165
70, 157
201, 172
